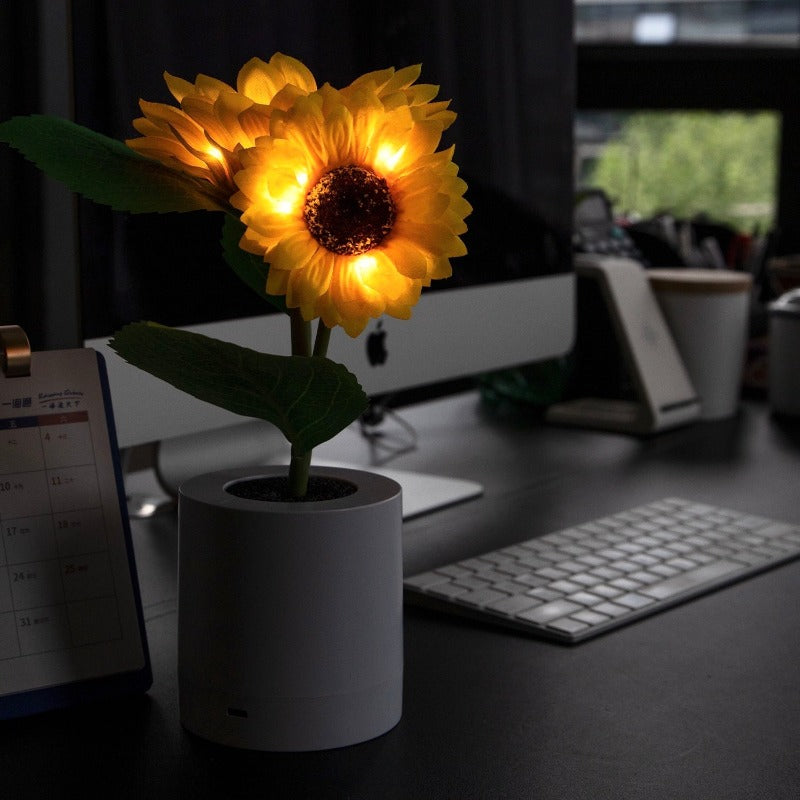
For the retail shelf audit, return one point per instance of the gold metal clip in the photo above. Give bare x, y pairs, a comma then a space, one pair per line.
15, 351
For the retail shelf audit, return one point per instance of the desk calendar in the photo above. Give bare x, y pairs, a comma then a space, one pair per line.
71, 625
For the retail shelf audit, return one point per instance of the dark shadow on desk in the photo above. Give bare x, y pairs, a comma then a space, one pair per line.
56, 767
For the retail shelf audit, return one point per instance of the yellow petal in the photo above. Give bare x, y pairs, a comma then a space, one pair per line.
440, 268
406, 257
297, 252
403, 78
433, 238
310, 282
254, 122
277, 282
178, 86
162, 148
425, 205
210, 87
261, 81
338, 135
422, 93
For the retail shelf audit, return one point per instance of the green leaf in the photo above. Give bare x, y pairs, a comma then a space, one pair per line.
103, 169
249, 267
310, 399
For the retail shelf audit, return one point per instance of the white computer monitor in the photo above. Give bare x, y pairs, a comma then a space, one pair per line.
510, 78
452, 334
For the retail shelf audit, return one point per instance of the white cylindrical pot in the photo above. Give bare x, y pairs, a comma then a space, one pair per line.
290, 615
707, 311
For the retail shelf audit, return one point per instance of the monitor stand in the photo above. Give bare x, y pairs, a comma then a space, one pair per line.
255, 444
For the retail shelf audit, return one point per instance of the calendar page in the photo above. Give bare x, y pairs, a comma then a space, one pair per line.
70, 616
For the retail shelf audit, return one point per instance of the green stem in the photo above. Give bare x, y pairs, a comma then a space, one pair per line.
300, 460
321, 340
298, 473
301, 333
301, 346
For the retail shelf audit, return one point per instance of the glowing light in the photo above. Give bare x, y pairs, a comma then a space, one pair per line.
388, 156
215, 152
302, 178
365, 267
289, 202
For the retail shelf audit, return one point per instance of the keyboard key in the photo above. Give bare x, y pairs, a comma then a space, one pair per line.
624, 566
643, 560
681, 563
584, 579
552, 573
513, 605
532, 562
454, 571
690, 580
513, 569
470, 582
565, 587
545, 595
590, 617
509, 587
664, 570
626, 584
568, 625
644, 577
574, 550
612, 609
606, 573
447, 590
549, 611
610, 554
481, 597
604, 590
426, 580
570, 566
585, 598
633, 600
492, 575
591, 561
474, 564
532, 580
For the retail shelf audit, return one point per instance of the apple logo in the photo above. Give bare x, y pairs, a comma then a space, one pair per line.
376, 346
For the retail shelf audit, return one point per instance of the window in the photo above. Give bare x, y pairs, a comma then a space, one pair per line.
722, 165
750, 22
734, 62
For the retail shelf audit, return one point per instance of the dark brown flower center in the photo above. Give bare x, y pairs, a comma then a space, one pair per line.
349, 210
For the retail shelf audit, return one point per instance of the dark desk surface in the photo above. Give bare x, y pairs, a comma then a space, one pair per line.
701, 701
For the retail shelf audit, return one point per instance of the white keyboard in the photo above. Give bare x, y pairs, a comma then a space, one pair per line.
582, 581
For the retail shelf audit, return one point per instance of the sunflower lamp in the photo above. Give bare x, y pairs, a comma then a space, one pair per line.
338, 207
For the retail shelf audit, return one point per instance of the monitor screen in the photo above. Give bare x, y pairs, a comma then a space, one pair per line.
510, 78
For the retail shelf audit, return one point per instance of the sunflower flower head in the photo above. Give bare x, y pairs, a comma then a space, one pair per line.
348, 199
204, 135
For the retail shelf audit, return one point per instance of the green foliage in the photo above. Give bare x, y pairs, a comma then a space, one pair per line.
103, 169
309, 399
685, 163
249, 267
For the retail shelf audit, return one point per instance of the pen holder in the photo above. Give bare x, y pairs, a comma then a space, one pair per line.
290, 613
